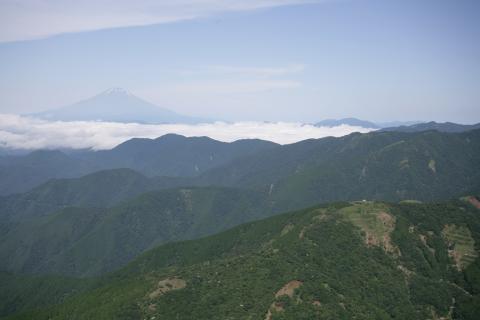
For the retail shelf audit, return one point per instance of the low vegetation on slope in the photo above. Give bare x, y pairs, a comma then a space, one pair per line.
461, 245
349, 260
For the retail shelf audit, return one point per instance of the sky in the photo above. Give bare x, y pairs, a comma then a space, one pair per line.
250, 60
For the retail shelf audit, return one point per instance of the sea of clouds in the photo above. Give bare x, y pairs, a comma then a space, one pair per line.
21, 132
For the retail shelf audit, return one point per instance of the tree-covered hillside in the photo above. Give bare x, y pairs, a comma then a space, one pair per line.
432, 125
376, 166
391, 166
169, 155
99, 189
90, 241
362, 260
21, 173
388, 166
174, 155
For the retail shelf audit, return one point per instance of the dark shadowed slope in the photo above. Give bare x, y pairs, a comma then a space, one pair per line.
21, 173
88, 241
99, 189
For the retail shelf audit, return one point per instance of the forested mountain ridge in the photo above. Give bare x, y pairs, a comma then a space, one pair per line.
365, 260
432, 125
169, 155
90, 241
388, 166
174, 155
125, 210
99, 189
415, 159
21, 173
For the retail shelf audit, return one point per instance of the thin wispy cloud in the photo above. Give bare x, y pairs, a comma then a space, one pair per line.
213, 82
18, 132
206, 88
32, 19
262, 72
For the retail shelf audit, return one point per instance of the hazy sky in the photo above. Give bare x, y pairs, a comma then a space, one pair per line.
248, 60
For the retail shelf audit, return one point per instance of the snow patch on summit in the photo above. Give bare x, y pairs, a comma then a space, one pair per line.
118, 90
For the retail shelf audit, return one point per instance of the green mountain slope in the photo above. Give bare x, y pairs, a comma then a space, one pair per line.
379, 166
20, 292
175, 155
169, 155
432, 125
387, 166
88, 241
99, 189
350, 260
347, 121
23, 172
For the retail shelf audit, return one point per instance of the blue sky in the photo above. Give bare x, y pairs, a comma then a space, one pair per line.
380, 60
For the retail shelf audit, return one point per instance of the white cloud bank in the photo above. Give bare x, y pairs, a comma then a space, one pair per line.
32, 19
19, 132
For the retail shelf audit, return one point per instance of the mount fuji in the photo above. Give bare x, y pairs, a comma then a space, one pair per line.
116, 105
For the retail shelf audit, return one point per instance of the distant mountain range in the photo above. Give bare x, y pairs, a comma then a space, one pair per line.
123, 213
119, 105
347, 121
362, 123
415, 260
399, 126
268, 166
170, 155
377, 165
116, 105
443, 127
